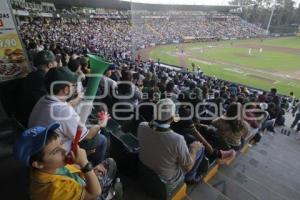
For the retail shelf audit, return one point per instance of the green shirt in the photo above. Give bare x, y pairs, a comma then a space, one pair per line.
63, 171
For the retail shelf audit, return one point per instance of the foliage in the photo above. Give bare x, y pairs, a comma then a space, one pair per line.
259, 11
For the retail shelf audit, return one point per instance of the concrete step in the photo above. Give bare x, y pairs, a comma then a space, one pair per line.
204, 191
264, 179
278, 141
282, 166
259, 190
272, 175
230, 188
272, 151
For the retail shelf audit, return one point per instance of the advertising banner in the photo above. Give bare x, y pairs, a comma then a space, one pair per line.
13, 60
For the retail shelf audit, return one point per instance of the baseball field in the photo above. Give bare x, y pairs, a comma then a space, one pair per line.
259, 63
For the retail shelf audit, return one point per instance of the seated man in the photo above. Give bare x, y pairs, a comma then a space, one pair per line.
41, 149
34, 87
53, 107
165, 151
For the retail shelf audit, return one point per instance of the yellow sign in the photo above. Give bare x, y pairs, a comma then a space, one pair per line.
13, 60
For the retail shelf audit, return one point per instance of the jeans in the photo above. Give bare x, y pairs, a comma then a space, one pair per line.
107, 179
100, 152
192, 174
296, 120
268, 124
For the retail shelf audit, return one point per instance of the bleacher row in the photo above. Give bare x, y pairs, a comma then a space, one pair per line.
231, 170
123, 144
125, 148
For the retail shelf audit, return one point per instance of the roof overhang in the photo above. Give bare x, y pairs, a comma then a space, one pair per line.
124, 5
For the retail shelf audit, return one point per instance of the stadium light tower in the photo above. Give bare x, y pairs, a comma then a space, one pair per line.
271, 17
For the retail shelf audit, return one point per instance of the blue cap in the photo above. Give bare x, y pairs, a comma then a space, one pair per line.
31, 142
112, 67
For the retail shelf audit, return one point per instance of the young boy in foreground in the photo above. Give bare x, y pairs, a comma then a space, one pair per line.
41, 149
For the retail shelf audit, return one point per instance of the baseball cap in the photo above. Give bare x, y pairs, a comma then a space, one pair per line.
60, 74
166, 109
31, 142
44, 57
112, 67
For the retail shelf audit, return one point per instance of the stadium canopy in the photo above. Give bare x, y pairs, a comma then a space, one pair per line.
127, 5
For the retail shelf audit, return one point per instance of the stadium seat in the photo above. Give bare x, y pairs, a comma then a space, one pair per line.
156, 187
124, 149
113, 126
9, 167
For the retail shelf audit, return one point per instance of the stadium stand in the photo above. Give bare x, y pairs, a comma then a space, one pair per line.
243, 158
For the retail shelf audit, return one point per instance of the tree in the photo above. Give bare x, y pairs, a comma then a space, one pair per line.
259, 11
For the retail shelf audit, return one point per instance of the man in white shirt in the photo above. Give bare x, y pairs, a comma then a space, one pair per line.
53, 107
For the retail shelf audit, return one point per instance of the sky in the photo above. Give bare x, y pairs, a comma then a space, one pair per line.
192, 2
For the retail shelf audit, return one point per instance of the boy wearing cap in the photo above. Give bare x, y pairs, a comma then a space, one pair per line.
53, 107
41, 149
171, 158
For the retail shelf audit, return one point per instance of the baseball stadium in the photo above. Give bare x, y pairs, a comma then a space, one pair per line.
149, 99
259, 63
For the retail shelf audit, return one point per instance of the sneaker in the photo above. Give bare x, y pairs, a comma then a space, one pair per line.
271, 129
227, 154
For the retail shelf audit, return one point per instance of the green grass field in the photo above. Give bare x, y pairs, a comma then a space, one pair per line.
278, 65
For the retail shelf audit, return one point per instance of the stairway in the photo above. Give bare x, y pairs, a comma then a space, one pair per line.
154, 31
270, 170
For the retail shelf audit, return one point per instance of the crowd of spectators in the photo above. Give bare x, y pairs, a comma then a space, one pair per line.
120, 38
203, 118
178, 29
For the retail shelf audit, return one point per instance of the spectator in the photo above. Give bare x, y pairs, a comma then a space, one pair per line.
53, 107
41, 149
130, 92
189, 130
296, 114
291, 101
34, 87
169, 92
231, 127
171, 158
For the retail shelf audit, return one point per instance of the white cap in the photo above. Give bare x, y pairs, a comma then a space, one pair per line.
166, 109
